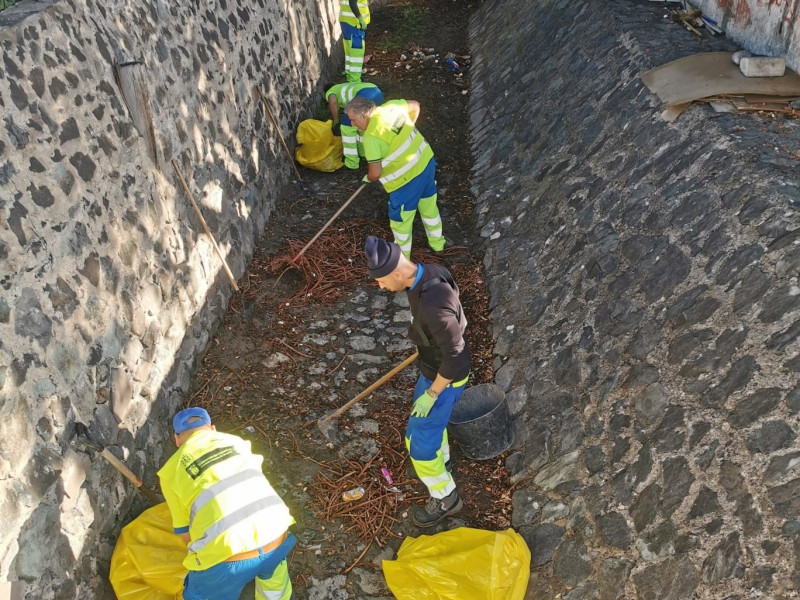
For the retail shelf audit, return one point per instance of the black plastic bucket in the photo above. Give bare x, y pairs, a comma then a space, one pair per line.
481, 422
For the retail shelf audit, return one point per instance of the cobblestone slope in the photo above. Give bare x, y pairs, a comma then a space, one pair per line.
644, 283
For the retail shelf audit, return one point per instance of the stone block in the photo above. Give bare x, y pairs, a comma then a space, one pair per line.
762, 66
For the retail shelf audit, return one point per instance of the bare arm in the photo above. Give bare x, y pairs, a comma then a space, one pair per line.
333, 105
413, 110
374, 171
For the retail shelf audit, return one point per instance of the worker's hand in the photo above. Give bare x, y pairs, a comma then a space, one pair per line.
423, 405
362, 23
337, 129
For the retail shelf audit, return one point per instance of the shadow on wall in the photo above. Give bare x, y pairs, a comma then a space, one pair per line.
111, 291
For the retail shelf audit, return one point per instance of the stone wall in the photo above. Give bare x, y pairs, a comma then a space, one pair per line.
644, 283
109, 288
765, 27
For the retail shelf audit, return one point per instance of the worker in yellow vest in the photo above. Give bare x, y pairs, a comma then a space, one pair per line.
354, 18
338, 96
400, 158
234, 524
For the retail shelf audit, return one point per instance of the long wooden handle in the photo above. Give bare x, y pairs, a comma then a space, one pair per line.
371, 388
280, 135
205, 226
331, 220
129, 475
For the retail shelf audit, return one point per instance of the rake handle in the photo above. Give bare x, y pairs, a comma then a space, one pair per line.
205, 226
280, 135
129, 475
331, 220
371, 388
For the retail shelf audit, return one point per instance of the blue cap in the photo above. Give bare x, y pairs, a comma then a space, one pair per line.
189, 418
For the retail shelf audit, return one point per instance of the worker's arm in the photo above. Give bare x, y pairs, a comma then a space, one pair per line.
333, 105
413, 110
438, 385
374, 170
354, 8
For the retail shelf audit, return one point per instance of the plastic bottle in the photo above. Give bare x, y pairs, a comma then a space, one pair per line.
353, 494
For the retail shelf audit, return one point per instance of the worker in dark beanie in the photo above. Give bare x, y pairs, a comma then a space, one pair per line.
437, 329
233, 522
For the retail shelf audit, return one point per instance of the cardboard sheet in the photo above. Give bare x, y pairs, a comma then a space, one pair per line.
713, 74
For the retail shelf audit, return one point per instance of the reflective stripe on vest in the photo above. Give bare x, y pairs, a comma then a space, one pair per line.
401, 151
346, 15
242, 514
345, 92
211, 492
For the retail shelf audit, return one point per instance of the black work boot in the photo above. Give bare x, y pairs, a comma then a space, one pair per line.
436, 509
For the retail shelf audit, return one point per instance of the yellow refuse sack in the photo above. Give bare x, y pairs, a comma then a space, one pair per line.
319, 149
462, 564
147, 563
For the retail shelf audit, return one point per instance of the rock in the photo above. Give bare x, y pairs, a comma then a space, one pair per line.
678, 479
29, 319
542, 541
723, 561
706, 502
781, 466
571, 562
786, 498
571, 434
772, 436
361, 343
652, 402
526, 505
754, 407
614, 530
659, 542
670, 579
612, 575
559, 471
555, 510
739, 375
594, 458
646, 506
586, 591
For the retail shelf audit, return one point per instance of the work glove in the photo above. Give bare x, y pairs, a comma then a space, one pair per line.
337, 129
423, 405
365, 179
362, 23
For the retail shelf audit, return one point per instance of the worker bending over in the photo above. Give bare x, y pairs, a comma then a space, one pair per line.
354, 18
437, 328
400, 158
233, 522
338, 96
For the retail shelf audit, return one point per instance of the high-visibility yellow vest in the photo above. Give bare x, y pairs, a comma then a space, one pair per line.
216, 492
346, 15
347, 91
408, 153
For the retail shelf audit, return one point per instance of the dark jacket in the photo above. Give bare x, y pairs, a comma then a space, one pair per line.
439, 325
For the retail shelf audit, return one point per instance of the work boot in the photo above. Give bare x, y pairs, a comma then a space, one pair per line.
436, 509
412, 474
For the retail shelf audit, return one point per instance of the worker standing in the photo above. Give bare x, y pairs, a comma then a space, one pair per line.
437, 329
234, 524
354, 18
337, 97
400, 158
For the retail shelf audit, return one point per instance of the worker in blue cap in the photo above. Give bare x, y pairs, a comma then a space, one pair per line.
438, 329
234, 523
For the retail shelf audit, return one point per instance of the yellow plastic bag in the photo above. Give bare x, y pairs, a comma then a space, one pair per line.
462, 564
319, 149
147, 563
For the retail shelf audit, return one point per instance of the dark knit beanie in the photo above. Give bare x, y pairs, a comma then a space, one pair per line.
382, 256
